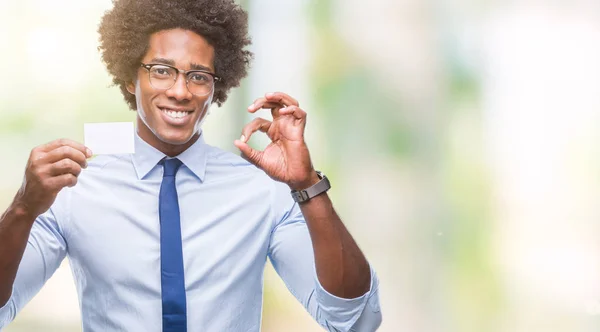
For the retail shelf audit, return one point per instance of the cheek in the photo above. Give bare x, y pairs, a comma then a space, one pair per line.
207, 101
143, 96
146, 94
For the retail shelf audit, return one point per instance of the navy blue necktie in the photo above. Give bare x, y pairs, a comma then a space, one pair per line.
171, 254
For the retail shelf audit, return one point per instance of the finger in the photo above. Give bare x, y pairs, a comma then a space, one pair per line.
282, 98
268, 105
66, 152
254, 125
244, 156
256, 104
56, 183
248, 153
66, 142
65, 166
262, 103
296, 111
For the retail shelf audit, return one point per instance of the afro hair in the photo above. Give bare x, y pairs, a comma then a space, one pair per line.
125, 33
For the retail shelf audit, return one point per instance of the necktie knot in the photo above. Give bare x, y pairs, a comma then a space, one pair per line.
171, 166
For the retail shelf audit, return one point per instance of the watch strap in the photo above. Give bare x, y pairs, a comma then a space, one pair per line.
318, 188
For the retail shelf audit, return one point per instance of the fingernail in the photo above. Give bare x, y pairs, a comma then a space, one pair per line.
243, 138
85, 165
251, 106
269, 94
89, 152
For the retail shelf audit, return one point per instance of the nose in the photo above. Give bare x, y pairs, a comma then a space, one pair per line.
179, 90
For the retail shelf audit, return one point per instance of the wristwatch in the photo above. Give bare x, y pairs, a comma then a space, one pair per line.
318, 188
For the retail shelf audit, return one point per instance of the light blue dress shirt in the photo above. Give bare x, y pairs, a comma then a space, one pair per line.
233, 216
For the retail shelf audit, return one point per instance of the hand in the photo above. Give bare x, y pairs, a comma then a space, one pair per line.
286, 158
50, 168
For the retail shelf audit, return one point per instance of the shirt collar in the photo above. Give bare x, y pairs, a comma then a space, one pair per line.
146, 157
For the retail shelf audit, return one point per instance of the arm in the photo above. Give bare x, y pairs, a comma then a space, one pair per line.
341, 266
291, 252
15, 225
50, 168
44, 248
342, 270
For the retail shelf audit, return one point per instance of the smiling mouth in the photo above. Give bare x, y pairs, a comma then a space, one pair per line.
175, 114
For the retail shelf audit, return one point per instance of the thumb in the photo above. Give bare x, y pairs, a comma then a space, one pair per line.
248, 153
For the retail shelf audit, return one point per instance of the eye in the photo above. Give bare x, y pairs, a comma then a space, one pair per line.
161, 71
199, 78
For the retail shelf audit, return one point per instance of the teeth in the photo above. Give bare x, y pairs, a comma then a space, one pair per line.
174, 114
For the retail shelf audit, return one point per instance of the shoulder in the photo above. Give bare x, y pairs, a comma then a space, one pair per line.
101, 162
225, 163
220, 157
106, 167
103, 170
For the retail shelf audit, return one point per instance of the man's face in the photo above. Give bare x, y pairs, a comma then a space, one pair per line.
160, 109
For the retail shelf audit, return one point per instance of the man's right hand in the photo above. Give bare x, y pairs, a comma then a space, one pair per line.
50, 168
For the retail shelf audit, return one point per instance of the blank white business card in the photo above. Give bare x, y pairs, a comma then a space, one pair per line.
109, 137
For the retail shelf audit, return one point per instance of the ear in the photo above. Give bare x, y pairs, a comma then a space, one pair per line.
131, 88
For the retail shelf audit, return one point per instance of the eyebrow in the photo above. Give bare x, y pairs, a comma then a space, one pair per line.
193, 66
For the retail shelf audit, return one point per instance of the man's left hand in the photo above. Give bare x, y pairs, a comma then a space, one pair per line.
286, 158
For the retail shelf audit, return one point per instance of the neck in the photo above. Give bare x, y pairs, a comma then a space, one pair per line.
170, 150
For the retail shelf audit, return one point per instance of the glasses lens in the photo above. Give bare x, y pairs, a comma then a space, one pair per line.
200, 83
162, 77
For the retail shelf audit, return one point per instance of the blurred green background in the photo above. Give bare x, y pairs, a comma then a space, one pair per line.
461, 137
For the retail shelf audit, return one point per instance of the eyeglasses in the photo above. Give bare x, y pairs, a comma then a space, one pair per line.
163, 77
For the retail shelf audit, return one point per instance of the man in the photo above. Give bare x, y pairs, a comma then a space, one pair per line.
175, 236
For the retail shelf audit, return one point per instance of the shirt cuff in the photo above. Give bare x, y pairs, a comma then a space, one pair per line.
342, 313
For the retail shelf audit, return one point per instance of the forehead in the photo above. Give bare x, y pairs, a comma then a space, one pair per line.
184, 47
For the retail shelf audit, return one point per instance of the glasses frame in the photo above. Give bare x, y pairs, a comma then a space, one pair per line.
148, 67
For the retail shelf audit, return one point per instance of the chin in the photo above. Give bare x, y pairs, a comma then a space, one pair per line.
175, 137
